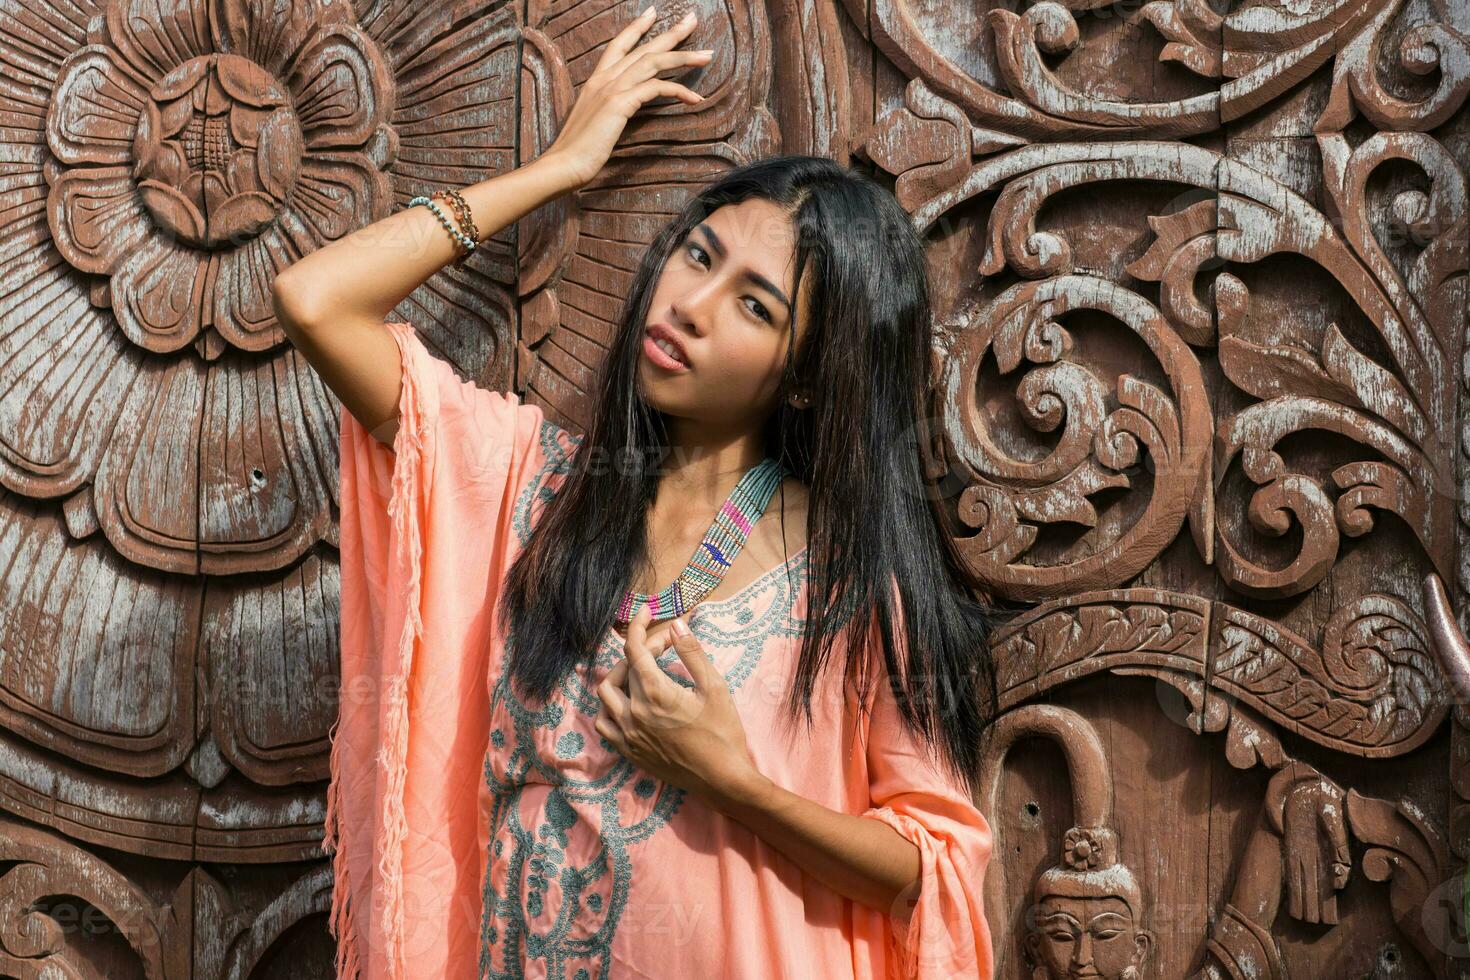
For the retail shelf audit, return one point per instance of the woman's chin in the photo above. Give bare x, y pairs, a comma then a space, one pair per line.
656, 389
657, 396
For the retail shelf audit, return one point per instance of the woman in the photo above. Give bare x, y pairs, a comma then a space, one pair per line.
567, 748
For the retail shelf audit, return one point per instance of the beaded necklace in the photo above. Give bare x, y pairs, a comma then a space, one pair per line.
722, 542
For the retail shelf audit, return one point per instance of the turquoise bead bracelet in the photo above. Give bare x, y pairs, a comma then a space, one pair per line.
465, 241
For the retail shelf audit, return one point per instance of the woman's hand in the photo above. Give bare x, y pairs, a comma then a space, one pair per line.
691, 738
621, 83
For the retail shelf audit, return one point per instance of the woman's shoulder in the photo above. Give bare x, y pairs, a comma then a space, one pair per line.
481, 445
794, 492
786, 513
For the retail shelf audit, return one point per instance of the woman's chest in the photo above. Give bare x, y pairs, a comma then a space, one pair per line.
755, 653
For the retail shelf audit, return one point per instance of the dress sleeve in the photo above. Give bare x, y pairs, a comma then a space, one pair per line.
942, 931
427, 535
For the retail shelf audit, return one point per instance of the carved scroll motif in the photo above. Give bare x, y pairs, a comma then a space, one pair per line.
64, 912
1164, 429
36, 942
1371, 687
1258, 51
1017, 93
1329, 385
1322, 425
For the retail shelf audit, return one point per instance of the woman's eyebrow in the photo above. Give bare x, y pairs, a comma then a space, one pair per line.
755, 277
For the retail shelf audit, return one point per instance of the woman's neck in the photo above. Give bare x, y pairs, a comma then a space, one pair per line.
703, 466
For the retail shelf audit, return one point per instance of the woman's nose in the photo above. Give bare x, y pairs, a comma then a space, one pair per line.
694, 305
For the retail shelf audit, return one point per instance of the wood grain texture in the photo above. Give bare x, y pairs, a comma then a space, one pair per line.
1201, 296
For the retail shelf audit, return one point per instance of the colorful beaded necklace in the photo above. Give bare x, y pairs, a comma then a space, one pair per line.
722, 542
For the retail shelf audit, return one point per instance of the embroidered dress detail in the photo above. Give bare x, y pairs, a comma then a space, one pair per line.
474, 833
722, 542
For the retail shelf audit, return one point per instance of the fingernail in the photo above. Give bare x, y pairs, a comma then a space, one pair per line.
646, 11
687, 17
680, 628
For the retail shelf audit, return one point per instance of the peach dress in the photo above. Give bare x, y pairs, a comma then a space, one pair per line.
474, 835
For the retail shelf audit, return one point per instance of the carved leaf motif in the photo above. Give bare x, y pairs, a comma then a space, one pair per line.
40, 866
1010, 495
1193, 30
1371, 687
164, 161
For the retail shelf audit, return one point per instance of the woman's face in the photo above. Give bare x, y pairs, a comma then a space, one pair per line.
726, 295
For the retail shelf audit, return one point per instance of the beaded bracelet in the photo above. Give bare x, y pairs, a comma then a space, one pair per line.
465, 242
461, 211
469, 218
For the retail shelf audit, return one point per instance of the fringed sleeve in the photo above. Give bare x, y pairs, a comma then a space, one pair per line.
940, 933
425, 541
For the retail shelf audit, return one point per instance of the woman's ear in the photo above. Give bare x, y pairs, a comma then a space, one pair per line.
799, 399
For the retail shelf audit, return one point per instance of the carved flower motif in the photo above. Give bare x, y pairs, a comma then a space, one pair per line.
186, 153
197, 143
174, 509
1081, 851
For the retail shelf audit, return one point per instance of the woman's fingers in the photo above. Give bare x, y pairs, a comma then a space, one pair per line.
617, 90
612, 712
607, 722
640, 658
691, 651
638, 625
677, 31
659, 86
618, 676
649, 65
623, 41
621, 51
614, 698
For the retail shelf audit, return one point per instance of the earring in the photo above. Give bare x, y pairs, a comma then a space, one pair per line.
800, 400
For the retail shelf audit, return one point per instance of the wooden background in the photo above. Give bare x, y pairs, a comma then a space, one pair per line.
1202, 287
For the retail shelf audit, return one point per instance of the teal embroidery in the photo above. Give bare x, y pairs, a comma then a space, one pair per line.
558, 910
558, 445
569, 745
588, 900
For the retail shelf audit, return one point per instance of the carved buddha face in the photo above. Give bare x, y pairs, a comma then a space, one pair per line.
1086, 938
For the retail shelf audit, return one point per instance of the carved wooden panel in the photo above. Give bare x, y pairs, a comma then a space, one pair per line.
1201, 282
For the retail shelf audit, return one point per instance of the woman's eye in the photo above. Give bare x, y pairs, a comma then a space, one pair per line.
759, 309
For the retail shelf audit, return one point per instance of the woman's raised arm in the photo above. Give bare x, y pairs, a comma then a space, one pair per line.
333, 303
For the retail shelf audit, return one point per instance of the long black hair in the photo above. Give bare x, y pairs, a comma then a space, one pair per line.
877, 533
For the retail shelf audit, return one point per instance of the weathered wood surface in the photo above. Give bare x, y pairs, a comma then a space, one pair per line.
1200, 390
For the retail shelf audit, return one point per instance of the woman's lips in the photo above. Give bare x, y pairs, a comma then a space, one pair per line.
654, 353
